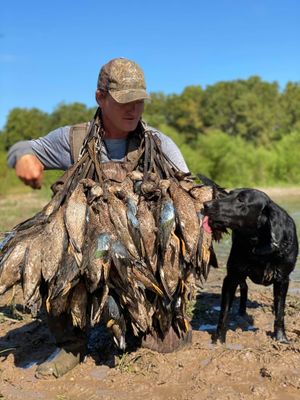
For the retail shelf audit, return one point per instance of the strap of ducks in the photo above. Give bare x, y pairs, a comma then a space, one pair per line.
124, 237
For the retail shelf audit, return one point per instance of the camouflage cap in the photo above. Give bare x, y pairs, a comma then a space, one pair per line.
124, 80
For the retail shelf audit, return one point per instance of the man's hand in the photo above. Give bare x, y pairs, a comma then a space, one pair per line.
30, 170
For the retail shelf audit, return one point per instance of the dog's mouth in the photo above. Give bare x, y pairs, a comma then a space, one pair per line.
223, 224
206, 224
216, 224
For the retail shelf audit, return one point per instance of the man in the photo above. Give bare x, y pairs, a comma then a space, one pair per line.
120, 94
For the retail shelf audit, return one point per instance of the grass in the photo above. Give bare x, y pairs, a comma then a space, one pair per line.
17, 207
18, 201
127, 362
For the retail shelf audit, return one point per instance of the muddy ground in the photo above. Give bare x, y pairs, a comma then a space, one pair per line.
250, 366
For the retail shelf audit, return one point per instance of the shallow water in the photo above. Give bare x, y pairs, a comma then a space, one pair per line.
292, 206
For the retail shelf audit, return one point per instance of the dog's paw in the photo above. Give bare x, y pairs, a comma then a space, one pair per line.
216, 338
242, 312
280, 336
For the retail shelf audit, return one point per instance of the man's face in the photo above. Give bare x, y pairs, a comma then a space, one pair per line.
119, 119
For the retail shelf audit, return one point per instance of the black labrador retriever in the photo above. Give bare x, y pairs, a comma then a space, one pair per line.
264, 248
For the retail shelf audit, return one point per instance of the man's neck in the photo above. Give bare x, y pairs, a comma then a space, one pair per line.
111, 132
115, 135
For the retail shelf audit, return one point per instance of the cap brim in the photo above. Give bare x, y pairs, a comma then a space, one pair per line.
129, 95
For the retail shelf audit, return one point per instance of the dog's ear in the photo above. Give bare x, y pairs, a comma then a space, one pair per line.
270, 219
263, 217
263, 206
276, 225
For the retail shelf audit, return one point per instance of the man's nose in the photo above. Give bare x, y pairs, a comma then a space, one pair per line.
131, 107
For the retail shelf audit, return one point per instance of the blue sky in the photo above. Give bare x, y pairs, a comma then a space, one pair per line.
51, 51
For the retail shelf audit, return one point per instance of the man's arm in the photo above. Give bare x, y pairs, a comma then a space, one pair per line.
172, 151
30, 158
30, 170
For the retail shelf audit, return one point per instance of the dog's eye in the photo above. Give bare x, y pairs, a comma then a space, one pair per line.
240, 199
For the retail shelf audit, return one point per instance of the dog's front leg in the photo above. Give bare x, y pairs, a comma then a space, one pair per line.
280, 289
229, 287
243, 298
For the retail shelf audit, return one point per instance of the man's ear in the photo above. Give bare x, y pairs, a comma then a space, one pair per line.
99, 97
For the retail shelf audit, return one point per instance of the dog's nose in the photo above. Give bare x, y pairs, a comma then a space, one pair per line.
207, 205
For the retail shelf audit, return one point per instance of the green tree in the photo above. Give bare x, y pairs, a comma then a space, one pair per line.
155, 110
218, 106
231, 161
290, 105
287, 150
2, 146
184, 112
70, 114
24, 124
261, 112
247, 108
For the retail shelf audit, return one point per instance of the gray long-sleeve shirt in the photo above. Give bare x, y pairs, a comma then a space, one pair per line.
53, 150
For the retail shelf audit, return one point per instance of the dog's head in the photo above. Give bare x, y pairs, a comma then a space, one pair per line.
240, 210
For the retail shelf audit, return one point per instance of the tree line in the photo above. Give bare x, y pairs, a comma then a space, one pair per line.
239, 133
